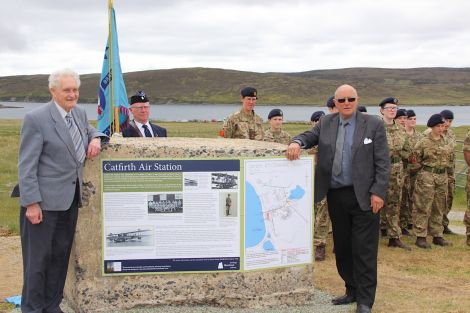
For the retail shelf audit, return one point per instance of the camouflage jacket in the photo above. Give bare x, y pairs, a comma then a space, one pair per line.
279, 137
244, 126
449, 135
466, 148
412, 140
434, 153
398, 142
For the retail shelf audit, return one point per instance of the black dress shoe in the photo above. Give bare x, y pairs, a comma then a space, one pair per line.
346, 299
362, 308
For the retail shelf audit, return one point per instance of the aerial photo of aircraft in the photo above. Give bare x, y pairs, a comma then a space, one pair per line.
128, 236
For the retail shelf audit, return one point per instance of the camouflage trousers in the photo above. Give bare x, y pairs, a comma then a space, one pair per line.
449, 200
390, 214
429, 199
405, 206
322, 223
466, 217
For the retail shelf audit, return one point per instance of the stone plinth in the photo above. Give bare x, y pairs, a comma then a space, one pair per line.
87, 290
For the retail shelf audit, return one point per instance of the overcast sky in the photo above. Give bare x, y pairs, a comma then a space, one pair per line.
38, 36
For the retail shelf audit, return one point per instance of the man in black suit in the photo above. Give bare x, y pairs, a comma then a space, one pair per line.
140, 125
352, 171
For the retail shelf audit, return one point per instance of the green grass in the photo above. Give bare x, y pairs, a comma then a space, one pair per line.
9, 137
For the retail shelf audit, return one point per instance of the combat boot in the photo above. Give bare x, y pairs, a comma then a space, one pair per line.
396, 242
468, 241
405, 232
447, 231
320, 253
422, 243
439, 241
383, 232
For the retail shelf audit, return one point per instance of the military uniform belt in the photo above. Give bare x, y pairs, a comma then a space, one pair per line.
434, 170
395, 159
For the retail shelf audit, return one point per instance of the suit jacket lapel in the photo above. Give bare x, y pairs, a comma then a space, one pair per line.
62, 129
333, 129
358, 132
135, 128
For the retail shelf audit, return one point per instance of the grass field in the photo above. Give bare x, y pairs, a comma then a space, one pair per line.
9, 137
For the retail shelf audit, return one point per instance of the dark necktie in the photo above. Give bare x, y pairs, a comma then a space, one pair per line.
76, 138
147, 131
338, 160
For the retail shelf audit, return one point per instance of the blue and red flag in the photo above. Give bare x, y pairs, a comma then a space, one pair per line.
112, 92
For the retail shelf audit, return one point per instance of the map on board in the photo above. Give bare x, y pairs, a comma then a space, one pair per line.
278, 212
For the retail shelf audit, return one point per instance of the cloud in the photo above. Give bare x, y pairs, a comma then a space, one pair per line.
253, 35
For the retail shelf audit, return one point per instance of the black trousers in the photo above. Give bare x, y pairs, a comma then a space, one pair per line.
356, 239
46, 251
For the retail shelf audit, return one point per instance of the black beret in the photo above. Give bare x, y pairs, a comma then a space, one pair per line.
401, 112
316, 116
274, 113
410, 113
139, 97
434, 120
447, 114
331, 102
362, 108
388, 100
249, 92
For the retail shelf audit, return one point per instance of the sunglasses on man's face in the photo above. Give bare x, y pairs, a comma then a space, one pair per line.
343, 100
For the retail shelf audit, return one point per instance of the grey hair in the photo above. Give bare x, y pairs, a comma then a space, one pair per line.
54, 78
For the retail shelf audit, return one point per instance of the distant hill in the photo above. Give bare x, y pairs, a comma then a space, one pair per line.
418, 86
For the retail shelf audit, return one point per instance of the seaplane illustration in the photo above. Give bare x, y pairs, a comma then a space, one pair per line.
224, 181
128, 236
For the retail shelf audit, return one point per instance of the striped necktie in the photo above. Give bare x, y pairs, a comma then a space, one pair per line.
147, 131
76, 138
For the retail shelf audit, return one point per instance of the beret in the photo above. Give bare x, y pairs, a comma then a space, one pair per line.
401, 112
316, 116
447, 114
388, 100
331, 102
139, 97
274, 113
410, 113
434, 120
362, 108
249, 92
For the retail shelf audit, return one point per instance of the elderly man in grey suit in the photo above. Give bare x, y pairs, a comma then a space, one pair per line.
352, 171
56, 138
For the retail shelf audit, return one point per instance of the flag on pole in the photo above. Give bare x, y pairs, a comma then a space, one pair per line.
113, 108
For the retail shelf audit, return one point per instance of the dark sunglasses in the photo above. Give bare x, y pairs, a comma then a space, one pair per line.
343, 100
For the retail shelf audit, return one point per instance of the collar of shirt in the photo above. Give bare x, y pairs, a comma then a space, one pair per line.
62, 112
351, 120
139, 125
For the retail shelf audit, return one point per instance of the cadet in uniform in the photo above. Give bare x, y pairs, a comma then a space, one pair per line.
362, 109
322, 218
450, 136
399, 150
434, 155
275, 132
410, 171
401, 117
466, 154
245, 124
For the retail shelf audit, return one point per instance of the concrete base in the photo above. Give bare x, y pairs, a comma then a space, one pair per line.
88, 291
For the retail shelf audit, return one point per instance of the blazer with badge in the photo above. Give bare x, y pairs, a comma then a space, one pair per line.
370, 156
133, 130
48, 168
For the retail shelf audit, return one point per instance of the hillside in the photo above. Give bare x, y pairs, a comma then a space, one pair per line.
418, 86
